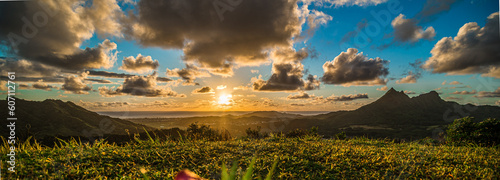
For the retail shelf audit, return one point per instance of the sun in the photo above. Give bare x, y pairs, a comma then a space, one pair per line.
225, 99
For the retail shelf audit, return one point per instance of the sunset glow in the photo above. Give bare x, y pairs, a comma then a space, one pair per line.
296, 56
225, 99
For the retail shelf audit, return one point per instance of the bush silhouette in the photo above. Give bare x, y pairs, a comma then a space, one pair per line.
196, 131
466, 131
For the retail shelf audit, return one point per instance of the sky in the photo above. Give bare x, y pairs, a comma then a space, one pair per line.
242, 55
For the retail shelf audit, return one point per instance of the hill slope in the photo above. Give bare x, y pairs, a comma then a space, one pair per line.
399, 116
58, 118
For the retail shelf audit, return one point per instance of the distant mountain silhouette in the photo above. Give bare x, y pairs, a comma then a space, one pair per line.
397, 115
57, 118
394, 115
270, 114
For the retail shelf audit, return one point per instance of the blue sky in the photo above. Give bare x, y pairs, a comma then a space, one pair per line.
325, 42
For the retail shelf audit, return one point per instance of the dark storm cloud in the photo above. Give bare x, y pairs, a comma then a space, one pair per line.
108, 74
285, 77
139, 86
119, 75
242, 36
349, 97
103, 81
287, 72
474, 50
51, 32
334, 98
354, 68
58, 79
27, 68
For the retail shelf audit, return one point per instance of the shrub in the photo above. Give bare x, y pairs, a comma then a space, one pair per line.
341, 136
465, 131
428, 141
302, 133
254, 133
196, 131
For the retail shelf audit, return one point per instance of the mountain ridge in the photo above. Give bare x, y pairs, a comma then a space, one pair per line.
57, 118
415, 117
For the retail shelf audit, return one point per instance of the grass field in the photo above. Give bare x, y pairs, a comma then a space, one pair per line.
298, 158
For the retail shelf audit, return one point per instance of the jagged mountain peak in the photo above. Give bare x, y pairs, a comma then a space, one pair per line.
393, 96
429, 95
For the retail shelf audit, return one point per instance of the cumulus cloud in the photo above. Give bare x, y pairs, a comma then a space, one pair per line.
382, 88
487, 94
41, 85
76, 84
102, 81
349, 97
459, 87
301, 95
409, 79
120, 75
24, 86
453, 98
353, 68
465, 92
203, 90
312, 82
498, 103
27, 68
285, 77
455, 83
409, 92
51, 32
473, 50
188, 74
221, 87
340, 3
139, 86
139, 64
108, 74
376, 82
38, 85
334, 98
433, 8
239, 37
407, 30
287, 72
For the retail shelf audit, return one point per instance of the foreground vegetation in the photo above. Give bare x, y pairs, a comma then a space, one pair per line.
308, 157
471, 151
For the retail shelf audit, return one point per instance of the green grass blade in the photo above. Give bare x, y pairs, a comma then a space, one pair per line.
224, 175
232, 173
249, 171
149, 136
270, 174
